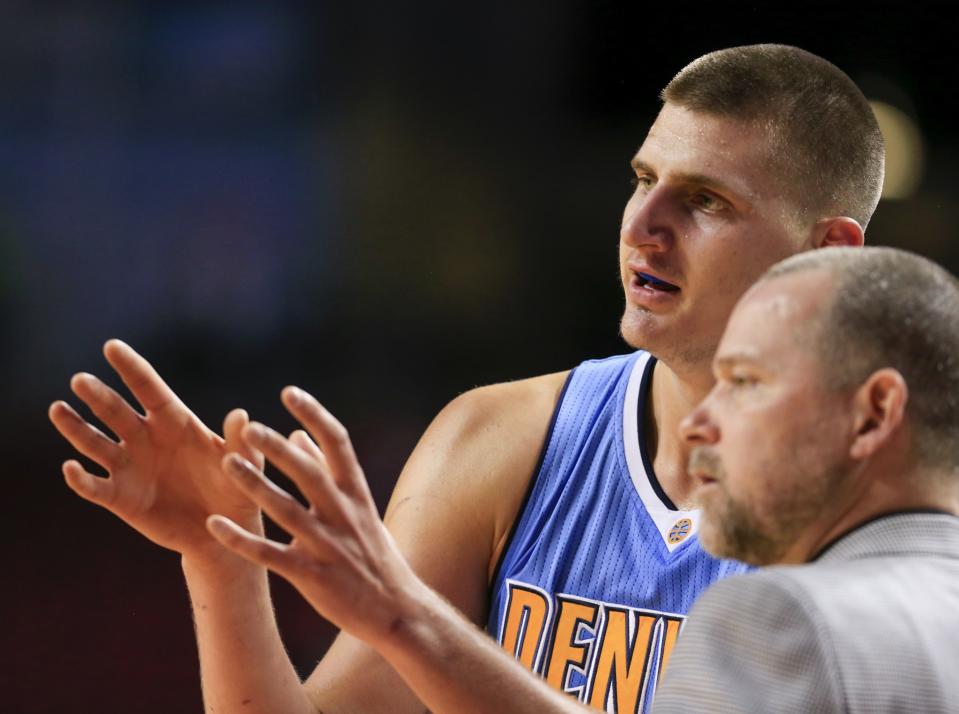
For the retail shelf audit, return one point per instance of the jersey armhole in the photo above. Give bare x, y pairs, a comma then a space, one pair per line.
534, 478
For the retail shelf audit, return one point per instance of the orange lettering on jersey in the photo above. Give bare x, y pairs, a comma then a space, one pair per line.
608, 655
626, 659
669, 639
527, 612
567, 651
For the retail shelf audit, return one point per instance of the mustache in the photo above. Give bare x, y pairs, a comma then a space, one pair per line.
703, 460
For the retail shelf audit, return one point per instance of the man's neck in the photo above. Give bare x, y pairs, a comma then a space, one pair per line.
674, 394
886, 486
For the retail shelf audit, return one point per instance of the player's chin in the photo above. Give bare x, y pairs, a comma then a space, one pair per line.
640, 328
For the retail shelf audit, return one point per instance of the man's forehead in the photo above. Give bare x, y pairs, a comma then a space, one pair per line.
768, 318
707, 146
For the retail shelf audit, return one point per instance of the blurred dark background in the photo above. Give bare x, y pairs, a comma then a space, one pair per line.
385, 203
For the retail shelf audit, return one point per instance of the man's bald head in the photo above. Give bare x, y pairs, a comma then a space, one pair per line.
891, 308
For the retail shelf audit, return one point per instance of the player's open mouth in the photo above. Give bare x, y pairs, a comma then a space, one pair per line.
645, 280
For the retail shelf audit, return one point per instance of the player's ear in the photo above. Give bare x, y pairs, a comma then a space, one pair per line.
879, 407
836, 232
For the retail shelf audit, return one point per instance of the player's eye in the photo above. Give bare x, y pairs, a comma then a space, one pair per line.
708, 201
643, 181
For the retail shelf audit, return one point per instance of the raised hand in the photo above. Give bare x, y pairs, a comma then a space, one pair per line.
345, 563
164, 472
342, 559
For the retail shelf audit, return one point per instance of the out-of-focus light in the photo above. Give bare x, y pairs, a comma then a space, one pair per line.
904, 153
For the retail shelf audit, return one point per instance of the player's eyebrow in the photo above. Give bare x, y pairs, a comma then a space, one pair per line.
712, 182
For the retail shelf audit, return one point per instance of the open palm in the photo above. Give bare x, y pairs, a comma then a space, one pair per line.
164, 472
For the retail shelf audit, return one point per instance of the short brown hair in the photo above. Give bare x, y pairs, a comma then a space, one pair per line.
823, 131
892, 308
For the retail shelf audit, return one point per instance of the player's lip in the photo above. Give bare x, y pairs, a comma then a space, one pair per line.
643, 277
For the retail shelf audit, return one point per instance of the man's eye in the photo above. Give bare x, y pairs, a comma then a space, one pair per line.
739, 381
708, 202
643, 181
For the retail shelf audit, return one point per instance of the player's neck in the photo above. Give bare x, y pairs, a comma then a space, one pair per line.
673, 396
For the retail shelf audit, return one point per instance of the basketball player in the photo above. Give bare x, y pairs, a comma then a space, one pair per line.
518, 500
830, 442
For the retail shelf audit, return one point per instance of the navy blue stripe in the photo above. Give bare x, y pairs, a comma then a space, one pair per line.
644, 396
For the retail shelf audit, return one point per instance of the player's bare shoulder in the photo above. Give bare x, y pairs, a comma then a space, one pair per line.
501, 425
475, 461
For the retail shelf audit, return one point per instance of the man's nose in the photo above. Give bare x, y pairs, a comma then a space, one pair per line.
698, 427
650, 220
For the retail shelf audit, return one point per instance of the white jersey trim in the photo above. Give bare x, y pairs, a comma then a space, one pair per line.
666, 519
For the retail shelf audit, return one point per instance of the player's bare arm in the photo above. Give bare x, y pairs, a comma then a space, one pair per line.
450, 516
345, 562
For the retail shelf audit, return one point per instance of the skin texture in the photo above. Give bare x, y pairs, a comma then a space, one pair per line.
705, 216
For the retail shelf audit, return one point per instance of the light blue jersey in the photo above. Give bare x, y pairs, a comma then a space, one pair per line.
601, 568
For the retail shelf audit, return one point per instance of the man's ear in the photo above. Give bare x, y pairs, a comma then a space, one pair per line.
879, 407
837, 231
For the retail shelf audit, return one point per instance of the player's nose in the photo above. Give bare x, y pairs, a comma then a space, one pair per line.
649, 220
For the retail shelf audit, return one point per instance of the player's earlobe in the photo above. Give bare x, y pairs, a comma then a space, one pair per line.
837, 231
879, 409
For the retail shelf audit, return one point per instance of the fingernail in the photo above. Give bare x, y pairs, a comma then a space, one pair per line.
257, 431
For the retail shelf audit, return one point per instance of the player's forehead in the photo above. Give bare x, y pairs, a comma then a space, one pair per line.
683, 143
769, 324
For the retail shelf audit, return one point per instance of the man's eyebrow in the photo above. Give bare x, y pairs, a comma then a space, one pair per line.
641, 166
729, 360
